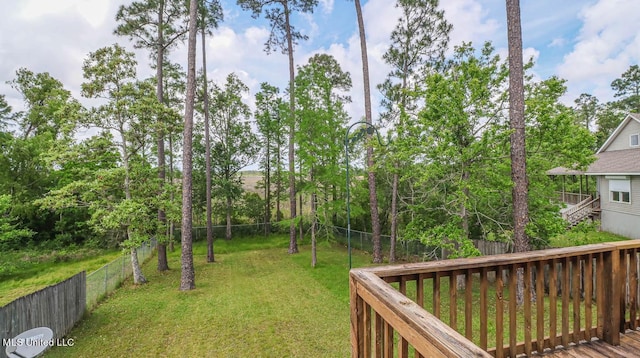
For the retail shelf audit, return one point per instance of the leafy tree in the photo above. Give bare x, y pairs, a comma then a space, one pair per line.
50, 109
234, 145
609, 117
284, 36
455, 137
110, 75
5, 112
320, 88
269, 119
627, 88
156, 25
187, 279
417, 43
554, 138
10, 233
586, 109
45, 127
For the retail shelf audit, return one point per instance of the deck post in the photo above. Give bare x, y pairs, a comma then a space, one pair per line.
611, 304
357, 322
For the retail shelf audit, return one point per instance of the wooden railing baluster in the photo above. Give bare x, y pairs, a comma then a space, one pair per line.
553, 304
468, 306
513, 308
575, 290
527, 308
540, 306
453, 300
389, 320
484, 284
499, 313
588, 297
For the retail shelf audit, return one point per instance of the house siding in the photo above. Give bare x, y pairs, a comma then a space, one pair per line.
621, 218
621, 141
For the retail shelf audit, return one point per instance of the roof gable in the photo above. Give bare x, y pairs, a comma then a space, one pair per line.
629, 118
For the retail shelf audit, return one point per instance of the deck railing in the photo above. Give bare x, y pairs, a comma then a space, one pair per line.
468, 307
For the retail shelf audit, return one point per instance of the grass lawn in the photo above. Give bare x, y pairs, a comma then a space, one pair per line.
255, 301
36, 271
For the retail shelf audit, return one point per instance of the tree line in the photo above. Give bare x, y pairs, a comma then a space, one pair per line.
444, 176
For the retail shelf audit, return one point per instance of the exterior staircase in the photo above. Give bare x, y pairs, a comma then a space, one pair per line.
588, 208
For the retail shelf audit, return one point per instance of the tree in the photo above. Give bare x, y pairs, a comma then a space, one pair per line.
373, 199
586, 109
110, 75
187, 279
320, 93
269, 120
518, 147
5, 112
9, 231
627, 88
156, 25
234, 144
284, 36
209, 15
455, 136
418, 42
46, 126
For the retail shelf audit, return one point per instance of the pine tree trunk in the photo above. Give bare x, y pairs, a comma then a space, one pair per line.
227, 235
188, 275
314, 221
518, 153
207, 153
163, 264
394, 213
293, 243
371, 178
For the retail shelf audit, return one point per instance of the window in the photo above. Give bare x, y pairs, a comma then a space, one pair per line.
620, 191
634, 140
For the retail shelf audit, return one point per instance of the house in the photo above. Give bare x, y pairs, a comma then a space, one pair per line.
617, 173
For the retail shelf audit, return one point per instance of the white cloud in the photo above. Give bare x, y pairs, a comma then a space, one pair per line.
470, 22
327, 6
606, 46
557, 42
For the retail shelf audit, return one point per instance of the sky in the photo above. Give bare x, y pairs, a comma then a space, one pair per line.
587, 42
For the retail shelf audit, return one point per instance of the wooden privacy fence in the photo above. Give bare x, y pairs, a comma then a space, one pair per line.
58, 307
467, 307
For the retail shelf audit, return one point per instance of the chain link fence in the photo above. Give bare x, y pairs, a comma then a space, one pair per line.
110, 276
408, 250
199, 233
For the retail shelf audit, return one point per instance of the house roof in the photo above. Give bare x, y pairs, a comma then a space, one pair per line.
623, 162
564, 171
630, 117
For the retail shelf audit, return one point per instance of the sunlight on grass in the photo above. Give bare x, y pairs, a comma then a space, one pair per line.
36, 273
256, 300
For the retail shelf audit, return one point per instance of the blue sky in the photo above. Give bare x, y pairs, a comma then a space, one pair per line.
589, 43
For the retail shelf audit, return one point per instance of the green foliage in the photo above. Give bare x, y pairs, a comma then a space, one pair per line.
585, 233
10, 234
252, 207
627, 88
278, 15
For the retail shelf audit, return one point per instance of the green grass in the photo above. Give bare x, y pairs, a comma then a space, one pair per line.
255, 301
33, 271
577, 237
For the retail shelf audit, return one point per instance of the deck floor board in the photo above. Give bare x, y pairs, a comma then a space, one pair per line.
629, 347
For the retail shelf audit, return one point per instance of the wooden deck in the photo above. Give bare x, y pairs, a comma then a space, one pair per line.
629, 347
589, 305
